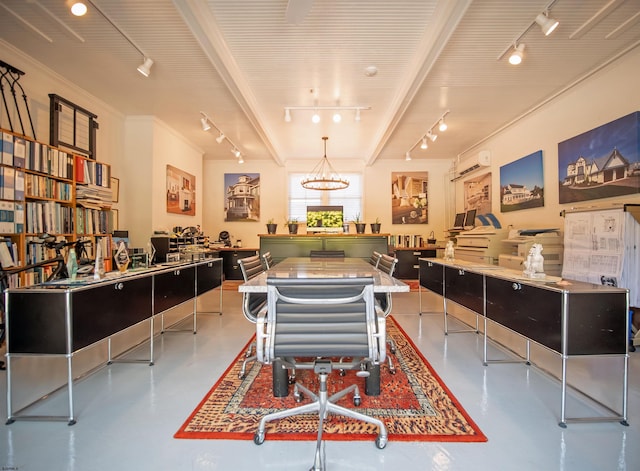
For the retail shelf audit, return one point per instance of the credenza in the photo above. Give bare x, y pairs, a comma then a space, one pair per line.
570, 318
60, 319
354, 245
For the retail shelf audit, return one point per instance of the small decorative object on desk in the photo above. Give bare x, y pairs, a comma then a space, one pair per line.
534, 264
151, 251
449, 251
122, 257
72, 264
98, 269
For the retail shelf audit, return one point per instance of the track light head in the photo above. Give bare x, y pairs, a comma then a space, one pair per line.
287, 115
442, 126
432, 136
205, 124
546, 24
145, 67
315, 119
240, 159
516, 56
337, 117
407, 156
78, 9
424, 144
220, 138
357, 118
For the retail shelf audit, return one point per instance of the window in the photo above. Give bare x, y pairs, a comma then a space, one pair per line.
350, 198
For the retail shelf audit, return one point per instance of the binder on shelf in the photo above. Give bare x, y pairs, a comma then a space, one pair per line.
19, 152
7, 148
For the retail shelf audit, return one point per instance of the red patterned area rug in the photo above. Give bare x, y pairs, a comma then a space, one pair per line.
415, 404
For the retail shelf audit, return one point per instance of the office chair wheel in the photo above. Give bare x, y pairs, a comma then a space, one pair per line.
357, 401
381, 442
297, 396
258, 438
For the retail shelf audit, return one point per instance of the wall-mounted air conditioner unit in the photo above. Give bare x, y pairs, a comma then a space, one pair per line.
479, 160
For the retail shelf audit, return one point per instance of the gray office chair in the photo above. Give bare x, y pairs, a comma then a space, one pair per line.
387, 264
267, 260
253, 304
326, 254
322, 319
375, 259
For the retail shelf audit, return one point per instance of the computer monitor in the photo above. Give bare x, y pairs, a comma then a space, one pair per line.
324, 217
470, 218
459, 221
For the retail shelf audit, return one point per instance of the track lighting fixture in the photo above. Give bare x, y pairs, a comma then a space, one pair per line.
423, 141
78, 9
546, 24
145, 67
207, 124
337, 116
516, 56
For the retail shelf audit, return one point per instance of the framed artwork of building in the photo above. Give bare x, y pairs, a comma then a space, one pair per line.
601, 163
181, 192
522, 184
409, 201
242, 197
477, 194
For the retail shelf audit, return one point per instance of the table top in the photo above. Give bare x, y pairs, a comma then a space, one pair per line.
306, 267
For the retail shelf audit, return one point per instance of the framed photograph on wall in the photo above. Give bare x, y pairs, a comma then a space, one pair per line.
181, 192
242, 197
601, 163
409, 202
477, 194
522, 184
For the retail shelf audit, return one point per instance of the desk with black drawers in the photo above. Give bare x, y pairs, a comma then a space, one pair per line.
570, 318
60, 319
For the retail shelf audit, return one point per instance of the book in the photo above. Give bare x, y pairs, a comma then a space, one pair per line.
6, 259
19, 152
7, 148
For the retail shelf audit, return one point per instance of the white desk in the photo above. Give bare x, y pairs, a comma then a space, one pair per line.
305, 267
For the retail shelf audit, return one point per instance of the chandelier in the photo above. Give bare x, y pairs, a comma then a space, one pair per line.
323, 176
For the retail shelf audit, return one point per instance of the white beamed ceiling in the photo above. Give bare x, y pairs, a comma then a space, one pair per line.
241, 62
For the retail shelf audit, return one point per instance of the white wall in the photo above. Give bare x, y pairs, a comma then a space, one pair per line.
605, 96
150, 146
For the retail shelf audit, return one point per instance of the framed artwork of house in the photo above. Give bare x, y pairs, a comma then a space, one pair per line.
242, 197
522, 184
601, 163
181, 192
409, 202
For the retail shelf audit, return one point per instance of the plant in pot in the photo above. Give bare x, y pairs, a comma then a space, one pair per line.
375, 226
292, 224
271, 227
360, 226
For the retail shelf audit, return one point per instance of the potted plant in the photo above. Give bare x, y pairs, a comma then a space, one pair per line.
271, 226
375, 226
292, 223
360, 226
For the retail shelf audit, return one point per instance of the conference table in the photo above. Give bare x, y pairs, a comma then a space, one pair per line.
306, 267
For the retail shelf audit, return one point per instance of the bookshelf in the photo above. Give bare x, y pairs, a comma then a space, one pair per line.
46, 189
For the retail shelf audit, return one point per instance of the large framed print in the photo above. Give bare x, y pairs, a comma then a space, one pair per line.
601, 163
181, 192
242, 197
522, 184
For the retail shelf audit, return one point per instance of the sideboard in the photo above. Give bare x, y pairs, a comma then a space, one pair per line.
60, 319
570, 318
282, 246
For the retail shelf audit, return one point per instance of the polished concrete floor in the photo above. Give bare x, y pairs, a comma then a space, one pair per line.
127, 413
